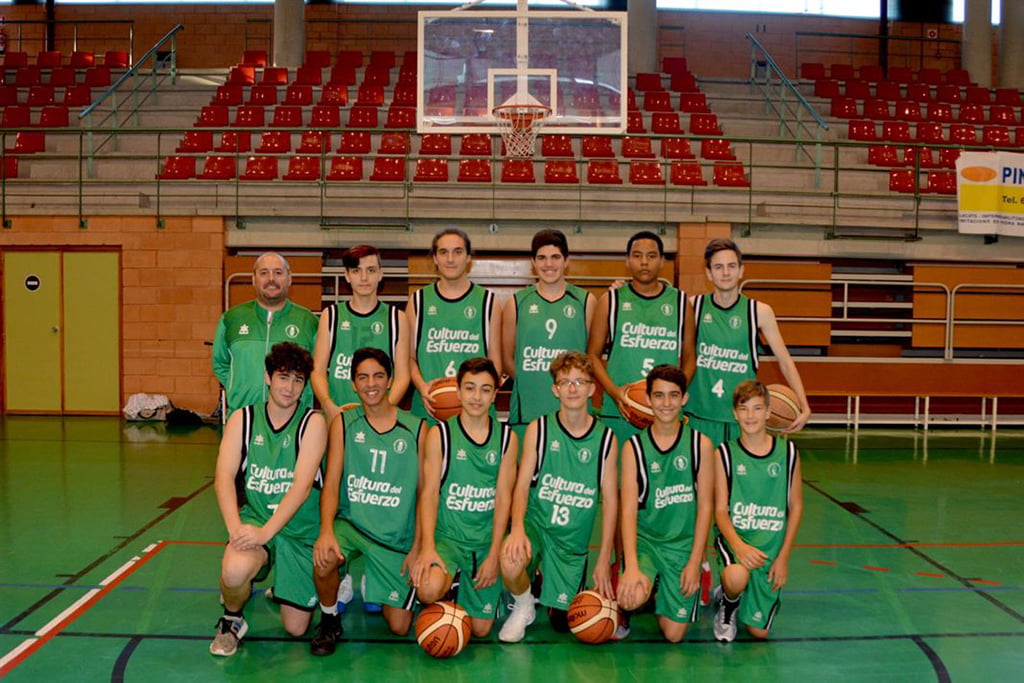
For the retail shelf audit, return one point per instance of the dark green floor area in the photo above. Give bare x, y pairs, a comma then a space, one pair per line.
908, 567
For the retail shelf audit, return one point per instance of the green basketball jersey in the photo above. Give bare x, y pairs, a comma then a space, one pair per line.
726, 355
566, 484
759, 488
267, 470
378, 484
469, 481
544, 329
349, 331
449, 331
667, 486
644, 332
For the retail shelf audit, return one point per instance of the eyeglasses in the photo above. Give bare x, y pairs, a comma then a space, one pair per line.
579, 382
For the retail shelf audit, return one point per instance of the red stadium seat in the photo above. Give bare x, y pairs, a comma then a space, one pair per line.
1002, 114
249, 116
370, 95
314, 142
40, 96
228, 95
560, 171
27, 76
971, 113
318, 59
53, 116
474, 171
902, 180
299, 95
263, 95
15, 59
888, 90
658, 100
645, 173
346, 168
342, 74
648, 81
219, 168
376, 76
517, 171
362, 117
676, 148
401, 117
930, 132
394, 143
431, 170
919, 157
234, 141
388, 169
704, 124
404, 96
843, 108
603, 172
1008, 96
274, 142
334, 94
28, 142
116, 59
694, 102
436, 143
978, 95
908, 110
958, 77
212, 116
883, 155
597, 146
240, 75
16, 116
9, 168
728, 174
823, 87
475, 144
995, 136
684, 82
637, 148
857, 89
948, 93
686, 173
303, 168
948, 157
274, 75
963, 134
896, 131
81, 59
254, 58
308, 75
877, 110
719, 149
940, 182
286, 116
665, 123
929, 76
919, 92
178, 168
196, 142
862, 130
941, 112
556, 146
635, 122
354, 142
8, 95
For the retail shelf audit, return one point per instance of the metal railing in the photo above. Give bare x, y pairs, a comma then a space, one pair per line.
24, 35
163, 66
792, 109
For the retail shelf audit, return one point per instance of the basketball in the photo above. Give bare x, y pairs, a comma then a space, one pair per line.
442, 629
593, 618
638, 405
445, 394
784, 405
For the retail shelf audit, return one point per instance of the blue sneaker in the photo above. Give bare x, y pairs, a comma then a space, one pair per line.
369, 607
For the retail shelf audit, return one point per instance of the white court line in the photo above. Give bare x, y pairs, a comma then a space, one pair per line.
56, 621
15, 652
120, 570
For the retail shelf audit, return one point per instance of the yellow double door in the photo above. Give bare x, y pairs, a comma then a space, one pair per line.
61, 324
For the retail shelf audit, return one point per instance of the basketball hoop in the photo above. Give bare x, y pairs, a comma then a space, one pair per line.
519, 125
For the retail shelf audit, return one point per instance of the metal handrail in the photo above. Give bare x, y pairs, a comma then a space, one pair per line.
979, 286
135, 73
17, 41
762, 69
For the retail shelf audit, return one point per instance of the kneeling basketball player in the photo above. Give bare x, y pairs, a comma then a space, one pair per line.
373, 466
470, 469
667, 488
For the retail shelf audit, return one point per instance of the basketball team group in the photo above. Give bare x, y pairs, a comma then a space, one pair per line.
637, 412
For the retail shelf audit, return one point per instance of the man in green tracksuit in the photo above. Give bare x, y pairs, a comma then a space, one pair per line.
246, 332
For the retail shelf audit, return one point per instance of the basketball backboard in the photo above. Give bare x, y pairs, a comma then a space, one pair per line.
572, 62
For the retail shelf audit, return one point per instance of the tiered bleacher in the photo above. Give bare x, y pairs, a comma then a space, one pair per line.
359, 122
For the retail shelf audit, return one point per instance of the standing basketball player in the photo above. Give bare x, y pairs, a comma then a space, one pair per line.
643, 324
268, 491
539, 323
758, 506
363, 320
246, 332
667, 489
451, 321
568, 466
373, 466
727, 325
470, 469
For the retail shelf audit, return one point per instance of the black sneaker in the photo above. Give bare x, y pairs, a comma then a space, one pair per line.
327, 635
559, 619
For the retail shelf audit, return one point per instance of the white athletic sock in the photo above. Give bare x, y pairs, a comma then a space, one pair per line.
329, 609
706, 566
524, 597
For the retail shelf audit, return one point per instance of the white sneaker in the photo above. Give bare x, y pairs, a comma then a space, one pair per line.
621, 632
345, 592
725, 632
522, 615
229, 633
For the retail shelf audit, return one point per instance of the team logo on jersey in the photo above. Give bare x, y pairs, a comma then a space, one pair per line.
393, 595
258, 441
312, 602
681, 613
491, 457
460, 454
679, 462
534, 308
346, 325
742, 469
292, 331
377, 327
488, 609
469, 312
287, 441
758, 616
734, 322
584, 455
655, 468
400, 445
667, 309
563, 598
360, 437
431, 310
774, 469
569, 312
627, 305
244, 329
556, 446
706, 318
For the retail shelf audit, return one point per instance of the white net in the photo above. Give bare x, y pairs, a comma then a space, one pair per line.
519, 125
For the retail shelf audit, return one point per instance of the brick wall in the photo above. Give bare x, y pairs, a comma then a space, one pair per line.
171, 297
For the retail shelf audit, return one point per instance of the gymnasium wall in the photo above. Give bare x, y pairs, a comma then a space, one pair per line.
713, 42
171, 299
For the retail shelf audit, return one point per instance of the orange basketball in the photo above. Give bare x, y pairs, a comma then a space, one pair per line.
593, 618
638, 405
445, 394
784, 405
442, 629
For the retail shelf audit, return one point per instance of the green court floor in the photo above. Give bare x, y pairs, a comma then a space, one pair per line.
908, 568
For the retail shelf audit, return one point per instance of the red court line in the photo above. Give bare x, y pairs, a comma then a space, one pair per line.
827, 564
876, 569
931, 575
988, 583
68, 619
